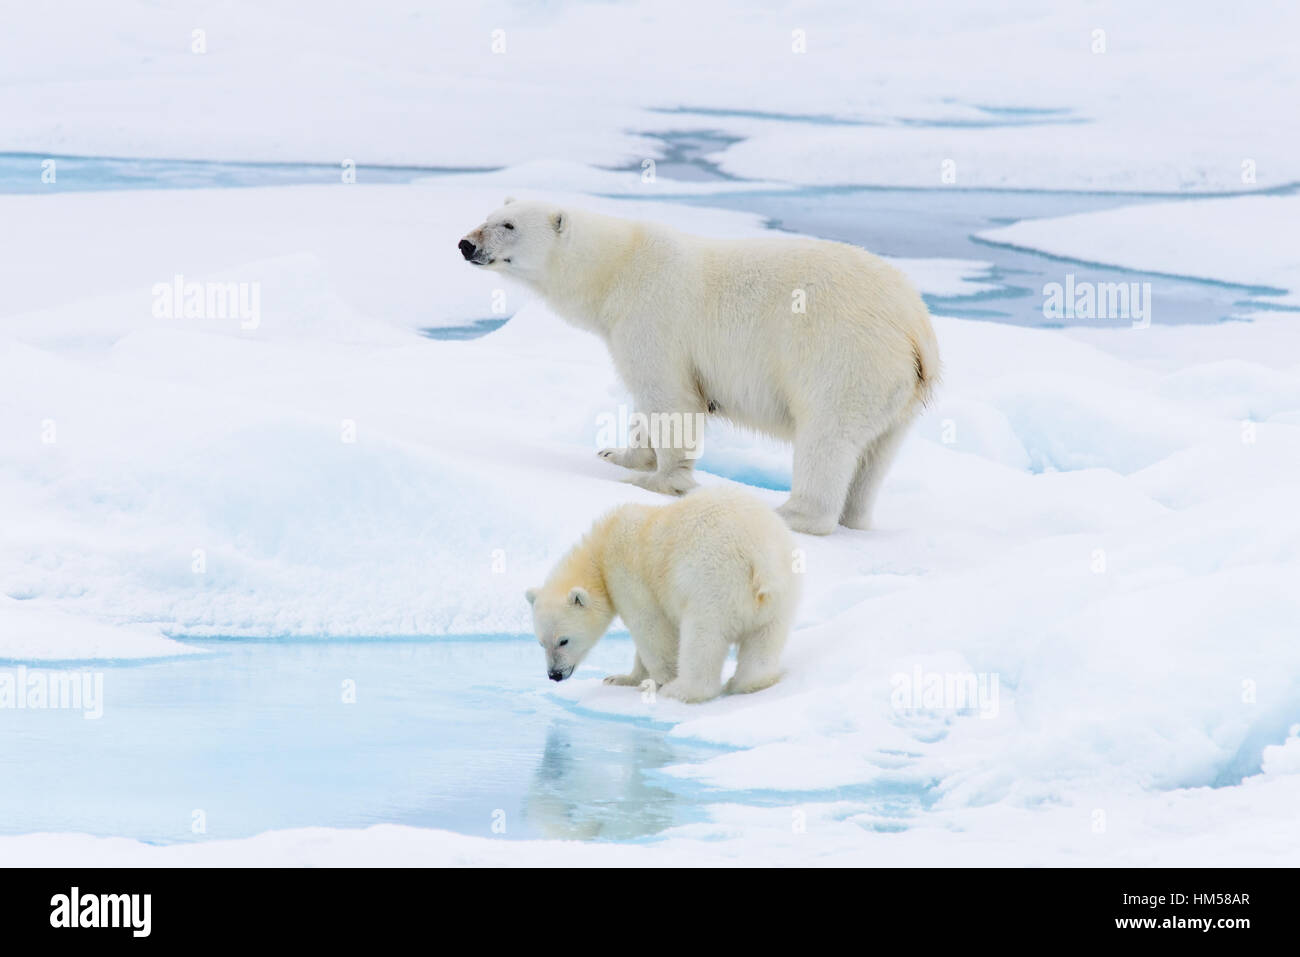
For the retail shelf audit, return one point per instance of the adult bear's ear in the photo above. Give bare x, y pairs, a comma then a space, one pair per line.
559, 220
531, 595
509, 200
579, 596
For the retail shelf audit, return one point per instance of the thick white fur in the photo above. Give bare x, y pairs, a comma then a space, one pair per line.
709, 325
688, 579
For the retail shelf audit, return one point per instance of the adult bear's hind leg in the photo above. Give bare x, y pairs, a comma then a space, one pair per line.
870, 475
824, 464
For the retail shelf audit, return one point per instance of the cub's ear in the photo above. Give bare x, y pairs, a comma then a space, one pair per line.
579, 597
509, 200
559, 220
531, 595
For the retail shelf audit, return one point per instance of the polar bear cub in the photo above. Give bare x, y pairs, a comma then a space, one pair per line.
689, 580
815, 342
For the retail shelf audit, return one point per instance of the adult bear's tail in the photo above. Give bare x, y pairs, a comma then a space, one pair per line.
925, 354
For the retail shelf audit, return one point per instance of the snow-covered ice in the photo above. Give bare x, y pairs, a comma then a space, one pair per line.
1109, 535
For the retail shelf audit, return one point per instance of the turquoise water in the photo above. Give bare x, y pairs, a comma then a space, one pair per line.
475, 329
23, 173
447, 733
457, 733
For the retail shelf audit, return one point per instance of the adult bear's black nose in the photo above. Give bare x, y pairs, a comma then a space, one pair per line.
556, 675
467, 249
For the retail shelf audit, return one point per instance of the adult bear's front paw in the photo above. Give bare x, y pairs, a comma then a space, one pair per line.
642, 460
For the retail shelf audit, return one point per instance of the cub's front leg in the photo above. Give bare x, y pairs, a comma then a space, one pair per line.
637, 675
655, 637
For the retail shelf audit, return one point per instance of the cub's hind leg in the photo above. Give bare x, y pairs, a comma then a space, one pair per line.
758, 657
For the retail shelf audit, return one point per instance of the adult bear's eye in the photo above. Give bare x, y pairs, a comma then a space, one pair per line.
563, 642
508, 225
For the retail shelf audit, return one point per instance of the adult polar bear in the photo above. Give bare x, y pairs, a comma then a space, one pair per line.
807, 340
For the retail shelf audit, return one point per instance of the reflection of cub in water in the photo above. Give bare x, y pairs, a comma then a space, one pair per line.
582, 793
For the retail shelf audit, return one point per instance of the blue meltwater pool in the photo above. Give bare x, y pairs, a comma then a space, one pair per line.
460, 734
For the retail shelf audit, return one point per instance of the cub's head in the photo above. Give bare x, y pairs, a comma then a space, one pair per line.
568, 621
517, 238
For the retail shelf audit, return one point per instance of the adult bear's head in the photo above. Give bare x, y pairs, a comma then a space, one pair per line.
517, 238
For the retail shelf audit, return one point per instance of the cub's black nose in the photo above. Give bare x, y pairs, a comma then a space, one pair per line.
556, 675
467, 249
